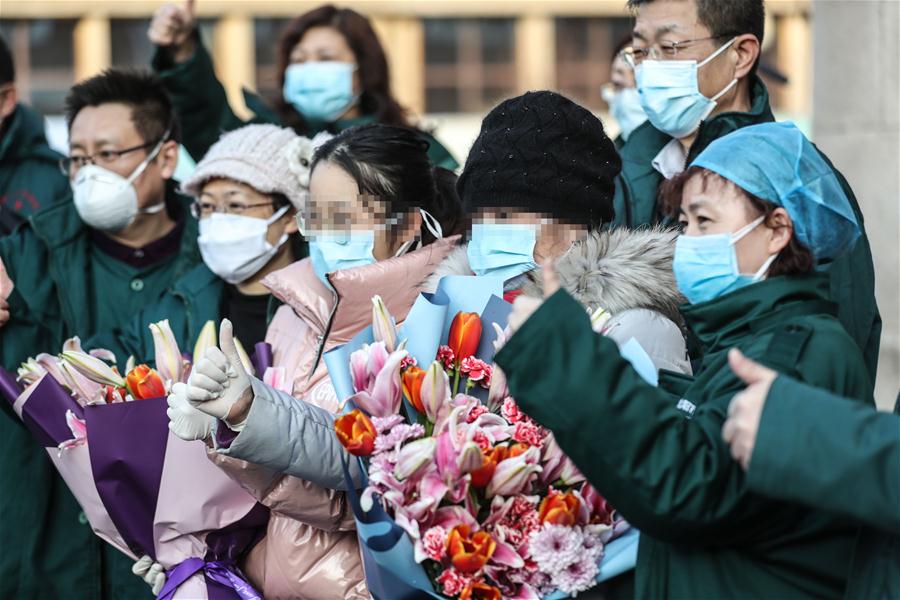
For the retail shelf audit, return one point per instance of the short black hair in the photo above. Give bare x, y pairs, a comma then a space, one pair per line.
152, 112
7, 67
726, 17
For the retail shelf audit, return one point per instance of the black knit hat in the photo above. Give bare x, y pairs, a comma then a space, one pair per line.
541, 152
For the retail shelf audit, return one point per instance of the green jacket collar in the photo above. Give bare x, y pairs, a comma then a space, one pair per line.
723, 322
646, 141
24, 137
68, 262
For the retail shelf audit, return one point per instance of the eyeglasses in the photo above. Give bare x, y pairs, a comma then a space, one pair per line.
663, 50
202, 210
71, 164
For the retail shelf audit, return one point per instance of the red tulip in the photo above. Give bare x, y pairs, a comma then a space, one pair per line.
482, 475
144, 382
480, 591
469, 553
465, 333
412, 380
356, 433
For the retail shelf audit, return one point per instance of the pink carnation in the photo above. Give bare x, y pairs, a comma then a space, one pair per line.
477, 411
435, 541
476, 370
511, 411
453, 582
482, 440
529, 433
446, 357
407, 362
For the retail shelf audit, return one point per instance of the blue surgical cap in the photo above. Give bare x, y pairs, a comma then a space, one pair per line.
775, 162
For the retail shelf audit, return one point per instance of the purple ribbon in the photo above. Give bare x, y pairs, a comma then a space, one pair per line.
9, 387
219, 571
262, 358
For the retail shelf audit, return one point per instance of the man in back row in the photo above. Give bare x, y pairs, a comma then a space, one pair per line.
695, 65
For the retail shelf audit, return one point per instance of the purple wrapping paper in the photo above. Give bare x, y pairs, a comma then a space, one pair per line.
127, 462
262, 358
9, 387
44, 412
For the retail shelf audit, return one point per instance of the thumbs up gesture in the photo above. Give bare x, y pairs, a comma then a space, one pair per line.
173, 27
746, 407
219, 384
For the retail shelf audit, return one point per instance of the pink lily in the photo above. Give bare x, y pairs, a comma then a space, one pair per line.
449, 517
30, 371
359, 370
383, 328
206, 339
93, 368
79, 432
558, 466
513, 475
84, 389
435, 391
53, 366
413, 457
168, 356
245, 358
384, 399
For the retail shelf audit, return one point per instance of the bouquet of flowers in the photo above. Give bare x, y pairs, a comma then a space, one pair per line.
108, 437
491, 505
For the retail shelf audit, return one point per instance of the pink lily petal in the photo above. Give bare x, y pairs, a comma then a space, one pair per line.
435, 391
383, 329
506, 555
165, 348
513, 475
413, 457
388, 390
359, 370
449, 517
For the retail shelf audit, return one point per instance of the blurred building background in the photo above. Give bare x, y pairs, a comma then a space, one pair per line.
452, 60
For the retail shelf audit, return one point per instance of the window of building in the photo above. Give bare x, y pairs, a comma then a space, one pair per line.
42, 54
469, 64
584, 52
266, 33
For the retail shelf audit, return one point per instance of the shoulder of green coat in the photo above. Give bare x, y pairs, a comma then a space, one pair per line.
263, 113
58, 224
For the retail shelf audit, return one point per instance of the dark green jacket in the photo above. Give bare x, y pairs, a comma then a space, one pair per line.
193, 300
657, 453
49, 550
817, 449
30, 178
202, 106
852, 275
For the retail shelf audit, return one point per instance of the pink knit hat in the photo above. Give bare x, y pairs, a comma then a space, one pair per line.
268, 158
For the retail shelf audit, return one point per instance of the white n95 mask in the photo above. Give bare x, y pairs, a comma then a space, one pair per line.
235, 247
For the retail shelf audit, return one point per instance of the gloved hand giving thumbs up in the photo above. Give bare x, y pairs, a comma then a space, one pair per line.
219, 384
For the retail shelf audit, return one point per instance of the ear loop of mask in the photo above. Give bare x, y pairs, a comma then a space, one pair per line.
150, 210
433, 227
741, 233
712, 57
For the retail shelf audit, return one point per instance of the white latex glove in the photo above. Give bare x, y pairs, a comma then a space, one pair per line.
219, 381
185, 421
151, 572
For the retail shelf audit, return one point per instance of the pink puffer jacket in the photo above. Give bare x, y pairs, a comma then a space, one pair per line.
310, 550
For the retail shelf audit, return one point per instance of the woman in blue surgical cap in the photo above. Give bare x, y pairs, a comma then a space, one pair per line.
759, 208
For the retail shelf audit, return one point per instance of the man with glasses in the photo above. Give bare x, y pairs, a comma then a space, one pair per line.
81, 266
29, 179
695, 65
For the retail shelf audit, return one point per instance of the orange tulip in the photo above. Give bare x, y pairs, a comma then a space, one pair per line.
480, 591
356, 433
144, 382
468, 553
465, 333
559, 509
412, 387
482, 475
517, 449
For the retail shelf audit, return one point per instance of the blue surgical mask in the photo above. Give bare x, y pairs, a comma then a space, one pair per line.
670, 93
320, 91
335, 252
625, 107
706, 266
502, 249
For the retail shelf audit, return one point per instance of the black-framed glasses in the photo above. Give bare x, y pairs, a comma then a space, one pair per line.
202, 210
105, 157
664, 50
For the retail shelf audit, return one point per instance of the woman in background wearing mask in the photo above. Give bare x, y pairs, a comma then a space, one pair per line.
377, 214
621, 95
332, 69
758, 207
248, 188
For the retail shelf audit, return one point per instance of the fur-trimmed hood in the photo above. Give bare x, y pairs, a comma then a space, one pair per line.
618, 270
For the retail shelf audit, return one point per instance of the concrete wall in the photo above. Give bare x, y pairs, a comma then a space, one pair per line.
856, 121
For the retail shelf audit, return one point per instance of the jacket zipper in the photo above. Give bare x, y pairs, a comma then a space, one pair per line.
324, 335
